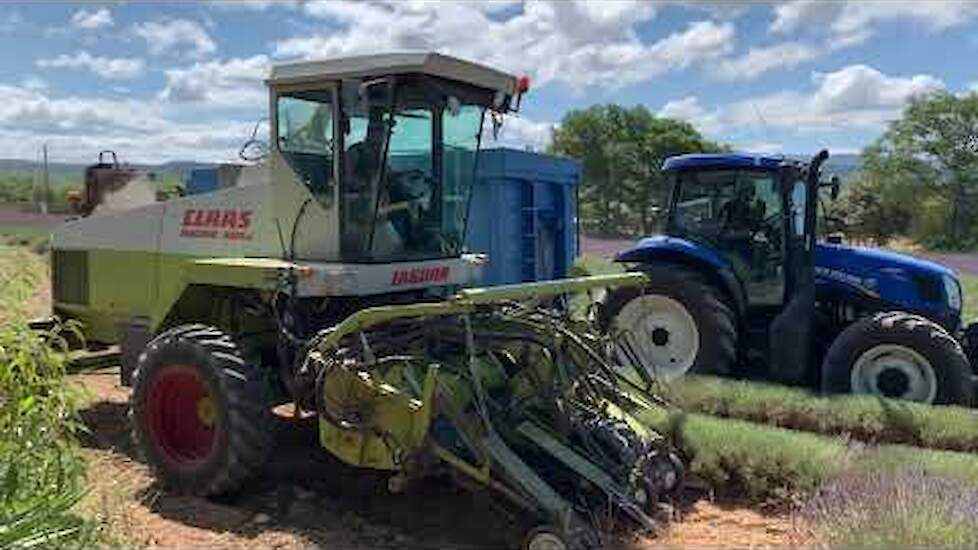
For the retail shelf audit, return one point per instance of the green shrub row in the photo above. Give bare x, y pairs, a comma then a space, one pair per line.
863, 418
748, 460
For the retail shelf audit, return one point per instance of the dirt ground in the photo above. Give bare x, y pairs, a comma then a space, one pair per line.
306, 499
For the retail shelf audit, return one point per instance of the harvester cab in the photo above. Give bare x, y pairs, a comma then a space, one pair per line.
741, 285
386, 147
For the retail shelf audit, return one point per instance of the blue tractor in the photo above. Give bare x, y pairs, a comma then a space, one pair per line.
741, 286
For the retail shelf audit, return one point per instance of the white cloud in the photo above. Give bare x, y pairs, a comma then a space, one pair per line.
26, 109
581, 44
176, 34
235, 82
854, 97
34, 82
791, 16
76, 127
252, 5
116, 68
690, 110
519, 132
763, 147
90, 20
11, 21
758, 61
850, 23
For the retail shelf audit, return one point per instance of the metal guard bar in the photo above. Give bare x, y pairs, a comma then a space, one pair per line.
466, 300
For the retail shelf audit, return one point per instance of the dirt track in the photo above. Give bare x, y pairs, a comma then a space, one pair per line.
307, 499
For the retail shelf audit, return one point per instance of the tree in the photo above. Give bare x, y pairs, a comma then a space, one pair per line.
621, 150
868, 212
931, 149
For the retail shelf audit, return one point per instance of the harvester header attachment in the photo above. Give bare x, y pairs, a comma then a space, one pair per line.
511, 395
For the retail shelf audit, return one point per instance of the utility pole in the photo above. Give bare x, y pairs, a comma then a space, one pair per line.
45, 183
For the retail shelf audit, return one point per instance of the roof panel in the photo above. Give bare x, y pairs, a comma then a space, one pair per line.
722, 160
383, 64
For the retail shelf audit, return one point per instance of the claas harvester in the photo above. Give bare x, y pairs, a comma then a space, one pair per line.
330, 273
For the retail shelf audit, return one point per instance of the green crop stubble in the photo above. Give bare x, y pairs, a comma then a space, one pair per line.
864, 418
759, 462
42, 471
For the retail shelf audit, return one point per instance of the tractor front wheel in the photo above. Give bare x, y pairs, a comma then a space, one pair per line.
199, 414
899, 356
679, 323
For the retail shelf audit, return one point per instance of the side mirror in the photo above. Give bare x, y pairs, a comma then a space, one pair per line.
834, 184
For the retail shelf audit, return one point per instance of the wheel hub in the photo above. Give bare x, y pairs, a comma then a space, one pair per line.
182, 417
546, 541
893, 382
895, 372
659, 334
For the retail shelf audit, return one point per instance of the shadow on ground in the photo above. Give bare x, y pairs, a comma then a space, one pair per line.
306, 492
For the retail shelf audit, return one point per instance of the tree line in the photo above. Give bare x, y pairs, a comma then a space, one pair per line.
622, 191
919, 179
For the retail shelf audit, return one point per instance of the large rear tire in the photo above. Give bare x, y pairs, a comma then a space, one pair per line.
200, 415
678, 323
899, 356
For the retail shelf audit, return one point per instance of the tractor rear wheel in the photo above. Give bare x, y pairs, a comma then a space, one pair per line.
678, 323
199, 414
900, 356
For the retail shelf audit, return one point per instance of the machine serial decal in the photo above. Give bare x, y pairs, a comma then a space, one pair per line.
230, 224
436, 274
867, 285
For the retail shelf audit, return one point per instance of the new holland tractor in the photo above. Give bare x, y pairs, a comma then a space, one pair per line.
740, 285
329, 275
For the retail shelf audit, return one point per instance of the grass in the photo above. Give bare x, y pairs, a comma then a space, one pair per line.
908, 508
21, 273
864, 418
42, 470
595, 265
969, 287
34, 238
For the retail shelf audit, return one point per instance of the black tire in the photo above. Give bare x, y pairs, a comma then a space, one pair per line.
947, 359
240, 436
714, 319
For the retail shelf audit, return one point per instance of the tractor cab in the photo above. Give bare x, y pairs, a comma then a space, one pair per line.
387, 146
749, 210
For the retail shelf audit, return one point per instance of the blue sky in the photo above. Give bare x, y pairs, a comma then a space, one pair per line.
182, 80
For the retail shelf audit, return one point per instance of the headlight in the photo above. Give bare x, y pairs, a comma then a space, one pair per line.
953, 291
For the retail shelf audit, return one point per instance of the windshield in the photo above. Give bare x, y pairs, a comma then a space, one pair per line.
409, 165
713, 204
740, 213
305, 138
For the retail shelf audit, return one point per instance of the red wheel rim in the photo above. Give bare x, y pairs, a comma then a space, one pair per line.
182, 418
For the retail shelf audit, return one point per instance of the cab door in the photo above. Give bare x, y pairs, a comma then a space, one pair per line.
791, 334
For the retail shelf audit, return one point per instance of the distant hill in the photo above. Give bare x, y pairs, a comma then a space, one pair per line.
63, 173
843, 165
